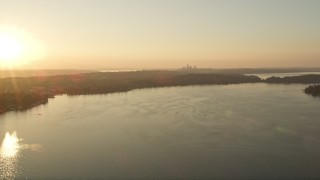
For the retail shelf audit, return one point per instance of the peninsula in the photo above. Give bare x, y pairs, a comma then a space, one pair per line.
19, 93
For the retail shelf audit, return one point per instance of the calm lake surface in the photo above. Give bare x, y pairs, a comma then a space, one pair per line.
228, 131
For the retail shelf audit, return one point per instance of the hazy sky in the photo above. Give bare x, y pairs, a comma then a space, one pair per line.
170, 33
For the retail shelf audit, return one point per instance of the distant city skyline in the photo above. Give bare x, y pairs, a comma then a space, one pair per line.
80, 34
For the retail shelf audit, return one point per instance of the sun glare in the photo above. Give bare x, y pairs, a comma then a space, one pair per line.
10, 48
10, 145
17, 47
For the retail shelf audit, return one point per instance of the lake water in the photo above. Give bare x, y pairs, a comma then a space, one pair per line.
228, 131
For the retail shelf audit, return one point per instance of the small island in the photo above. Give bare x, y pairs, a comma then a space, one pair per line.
313, 90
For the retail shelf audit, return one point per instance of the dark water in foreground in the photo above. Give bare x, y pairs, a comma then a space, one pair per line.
234, 131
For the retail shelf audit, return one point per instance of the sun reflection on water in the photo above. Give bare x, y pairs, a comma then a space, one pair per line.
10, 145
9, 155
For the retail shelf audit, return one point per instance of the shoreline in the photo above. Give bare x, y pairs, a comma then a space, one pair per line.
21, 93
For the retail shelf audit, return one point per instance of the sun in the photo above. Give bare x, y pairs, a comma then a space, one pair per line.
11, 48
18, 47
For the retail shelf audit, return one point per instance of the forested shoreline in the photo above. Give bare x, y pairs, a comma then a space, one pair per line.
19, 93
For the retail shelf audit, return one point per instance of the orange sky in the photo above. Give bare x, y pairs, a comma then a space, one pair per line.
167, 34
